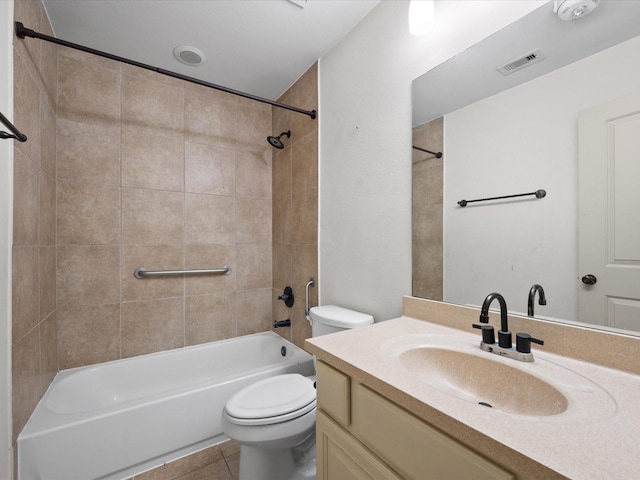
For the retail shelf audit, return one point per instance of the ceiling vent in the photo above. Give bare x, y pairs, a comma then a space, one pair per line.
300, 3
522, 62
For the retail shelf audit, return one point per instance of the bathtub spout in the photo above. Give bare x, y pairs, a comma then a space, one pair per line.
282, 323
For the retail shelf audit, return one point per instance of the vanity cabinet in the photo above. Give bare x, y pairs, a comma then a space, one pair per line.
361, 434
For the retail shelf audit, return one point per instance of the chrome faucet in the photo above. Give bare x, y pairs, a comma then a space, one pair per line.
542, 300
504, 348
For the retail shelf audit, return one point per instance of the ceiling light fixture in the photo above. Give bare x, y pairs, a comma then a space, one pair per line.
421, 16
574, 9
189, 55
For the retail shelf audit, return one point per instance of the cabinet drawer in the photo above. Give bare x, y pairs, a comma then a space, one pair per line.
412, 447
334, 393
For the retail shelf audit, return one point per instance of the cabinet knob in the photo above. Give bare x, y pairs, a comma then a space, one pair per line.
589, 279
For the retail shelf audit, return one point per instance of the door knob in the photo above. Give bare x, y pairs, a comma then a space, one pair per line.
589, 279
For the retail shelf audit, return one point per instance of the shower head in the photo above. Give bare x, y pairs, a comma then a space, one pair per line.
276, 142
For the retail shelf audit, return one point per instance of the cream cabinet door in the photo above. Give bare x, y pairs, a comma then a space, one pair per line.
341, 457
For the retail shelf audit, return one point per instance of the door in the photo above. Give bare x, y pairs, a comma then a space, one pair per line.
609, 214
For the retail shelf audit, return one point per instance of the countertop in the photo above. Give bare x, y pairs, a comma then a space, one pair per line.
596, 441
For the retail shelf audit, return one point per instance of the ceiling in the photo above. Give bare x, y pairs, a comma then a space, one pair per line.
259, 47
472, 75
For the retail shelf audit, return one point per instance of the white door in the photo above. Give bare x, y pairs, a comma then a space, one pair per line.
609, 214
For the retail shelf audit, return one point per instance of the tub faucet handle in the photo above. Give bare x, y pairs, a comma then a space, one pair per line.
287, 296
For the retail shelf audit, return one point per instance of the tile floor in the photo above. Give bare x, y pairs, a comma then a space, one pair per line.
219, 462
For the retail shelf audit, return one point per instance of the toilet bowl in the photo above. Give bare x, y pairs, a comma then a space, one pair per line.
274, 418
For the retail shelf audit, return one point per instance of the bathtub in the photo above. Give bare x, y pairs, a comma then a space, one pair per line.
121, 418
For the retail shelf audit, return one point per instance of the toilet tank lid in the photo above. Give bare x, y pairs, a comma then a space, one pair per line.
339, 316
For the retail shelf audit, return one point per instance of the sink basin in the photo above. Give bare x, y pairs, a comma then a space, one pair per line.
451, 369
484, 381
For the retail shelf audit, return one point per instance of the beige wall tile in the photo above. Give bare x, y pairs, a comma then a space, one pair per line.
254, 311
208, 119
48, 139
96, 60
88, 152
29, 12
88, 92
304, 164
88, 274
152, 216
88, 334
281, 181
47, 280
151, 257
253, 126
49, 67
427, 271
152, 326
26, 201
282, 221
254, 266
151, 161
25, 371
151, 107
282, 266
304, 228
88, 214
199, 257
210, 219
210, 317
427, 185
26, 114
25, 290
253, 174
253, 220
427, 226
47, 209
209, 169
48, 351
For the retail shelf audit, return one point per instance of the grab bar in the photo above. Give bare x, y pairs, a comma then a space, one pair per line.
142, 272
310, 283
21, 137
538, 193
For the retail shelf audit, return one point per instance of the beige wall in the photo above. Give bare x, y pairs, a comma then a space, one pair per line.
295, 206
427, 194
34, 356
160, 173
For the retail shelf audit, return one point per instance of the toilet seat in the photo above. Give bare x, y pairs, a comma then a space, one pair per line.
272, 400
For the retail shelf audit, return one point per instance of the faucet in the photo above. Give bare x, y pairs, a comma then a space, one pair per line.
505, 348
532, 295
504, 335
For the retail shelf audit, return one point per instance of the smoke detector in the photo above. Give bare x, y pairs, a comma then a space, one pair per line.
189, 55
574, 9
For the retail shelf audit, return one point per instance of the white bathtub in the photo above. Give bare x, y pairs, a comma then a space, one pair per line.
117, 419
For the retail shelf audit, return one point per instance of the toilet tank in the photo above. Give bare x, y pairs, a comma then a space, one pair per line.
330, 318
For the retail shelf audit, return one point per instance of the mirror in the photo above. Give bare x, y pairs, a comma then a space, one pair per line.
511, 134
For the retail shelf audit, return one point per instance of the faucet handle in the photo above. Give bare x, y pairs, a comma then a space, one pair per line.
523, 342
488, 335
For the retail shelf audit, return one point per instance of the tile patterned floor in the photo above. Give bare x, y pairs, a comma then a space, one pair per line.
219, 462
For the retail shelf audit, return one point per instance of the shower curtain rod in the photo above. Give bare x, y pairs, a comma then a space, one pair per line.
21, 137
22, 32
437, 154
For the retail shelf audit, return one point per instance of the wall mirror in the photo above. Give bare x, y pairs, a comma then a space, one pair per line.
521, 132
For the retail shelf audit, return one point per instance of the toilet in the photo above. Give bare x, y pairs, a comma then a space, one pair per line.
274, 419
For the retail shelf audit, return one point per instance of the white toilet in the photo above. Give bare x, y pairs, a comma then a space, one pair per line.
274, 419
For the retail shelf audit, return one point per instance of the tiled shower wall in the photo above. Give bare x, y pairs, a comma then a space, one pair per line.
158, 173
295, 206
427, 174
33, 343
125, 168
